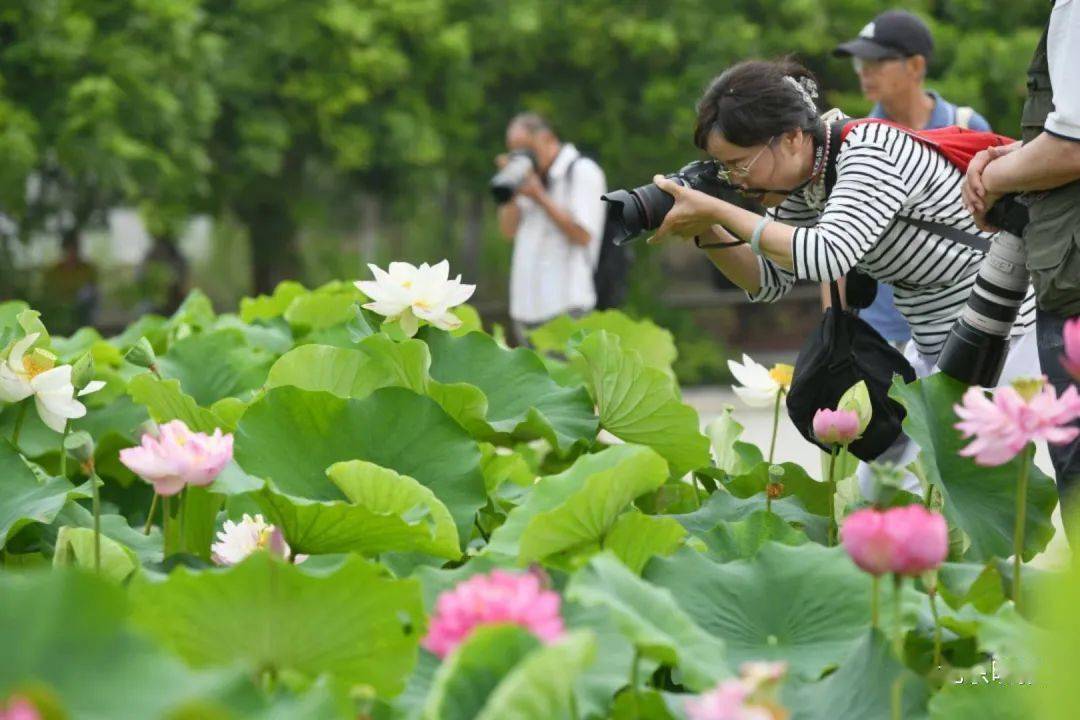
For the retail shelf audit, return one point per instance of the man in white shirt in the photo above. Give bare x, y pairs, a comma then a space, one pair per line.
556, 221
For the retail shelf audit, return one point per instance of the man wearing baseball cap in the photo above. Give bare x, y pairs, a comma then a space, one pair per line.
890, 56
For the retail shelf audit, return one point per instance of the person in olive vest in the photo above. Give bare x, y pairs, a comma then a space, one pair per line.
1046, 168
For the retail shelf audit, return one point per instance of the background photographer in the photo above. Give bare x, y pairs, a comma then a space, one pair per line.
1048, 160
556, 220
890, 56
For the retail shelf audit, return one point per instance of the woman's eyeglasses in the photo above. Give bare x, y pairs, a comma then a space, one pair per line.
728, 174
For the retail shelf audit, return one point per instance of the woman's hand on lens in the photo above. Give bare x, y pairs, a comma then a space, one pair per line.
693, 212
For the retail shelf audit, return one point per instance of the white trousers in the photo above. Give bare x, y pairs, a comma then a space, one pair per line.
1022, 361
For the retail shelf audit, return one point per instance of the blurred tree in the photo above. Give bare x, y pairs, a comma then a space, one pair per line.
102, 102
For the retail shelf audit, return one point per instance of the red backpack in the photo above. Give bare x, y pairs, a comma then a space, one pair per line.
958, 145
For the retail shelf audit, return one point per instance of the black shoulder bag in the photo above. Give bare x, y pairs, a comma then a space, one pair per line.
841, 352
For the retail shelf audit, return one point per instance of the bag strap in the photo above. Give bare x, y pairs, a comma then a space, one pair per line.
839, 131
963, 116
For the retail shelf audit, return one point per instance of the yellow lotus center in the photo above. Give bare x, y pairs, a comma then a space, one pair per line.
264, 538
782, 374
1028, 387
422, 304
38, 362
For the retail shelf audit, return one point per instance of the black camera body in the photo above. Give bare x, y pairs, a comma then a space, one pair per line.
507, 181
631, 212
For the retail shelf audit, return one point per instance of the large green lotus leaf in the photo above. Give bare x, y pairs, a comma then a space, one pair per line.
64, 632
743, 538
165, 401
377, 361
722, 506
273, 337
268, 307
636, 537
468, 676
807, 605
522, 399
651, 618
385, 512
75, 546
291, 436
640, 404
597, 685
24, 498
1056, 689
814, 495
860, 688
576, 508
1001, 701
655, 344
977, 583
332, 304
356, 622
147, 547
733, 456
541, 687
215, 365
981, 501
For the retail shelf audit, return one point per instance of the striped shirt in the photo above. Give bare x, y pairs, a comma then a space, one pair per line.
881, 173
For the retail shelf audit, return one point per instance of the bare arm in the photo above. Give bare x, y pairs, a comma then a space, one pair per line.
562, 219
509, 219
738, 264
1044, 163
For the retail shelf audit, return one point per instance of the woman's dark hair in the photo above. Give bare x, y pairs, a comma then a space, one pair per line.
751, 102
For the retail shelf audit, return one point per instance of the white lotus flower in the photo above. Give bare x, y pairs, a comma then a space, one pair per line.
410, 294
758, 386
37, 374
238, 540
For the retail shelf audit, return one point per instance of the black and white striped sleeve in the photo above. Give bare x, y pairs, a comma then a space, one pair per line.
868, 194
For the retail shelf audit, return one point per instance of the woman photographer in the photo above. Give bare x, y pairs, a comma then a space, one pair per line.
760, 122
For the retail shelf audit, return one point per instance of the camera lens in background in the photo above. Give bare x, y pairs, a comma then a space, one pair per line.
506, 182
974, 353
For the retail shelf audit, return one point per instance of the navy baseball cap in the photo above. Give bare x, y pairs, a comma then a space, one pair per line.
892, 34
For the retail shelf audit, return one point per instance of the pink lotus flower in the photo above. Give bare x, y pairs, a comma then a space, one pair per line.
179, 457
836, 427
1071, 359
498, 597
907, 540
19, 708
749, 697
1016, 416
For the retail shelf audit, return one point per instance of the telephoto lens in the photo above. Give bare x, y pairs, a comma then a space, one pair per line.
631, 212
974, 353
506, 182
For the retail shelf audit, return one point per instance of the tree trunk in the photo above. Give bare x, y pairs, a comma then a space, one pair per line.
272, 230
472, 237
370, 228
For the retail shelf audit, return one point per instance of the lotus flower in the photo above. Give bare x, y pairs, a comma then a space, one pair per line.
179, 457
498, 597
410, 294
906, 540
836, 427
1071, 359
748, 697
759, 386
1017, 415
19, 708
238, 540
37, 374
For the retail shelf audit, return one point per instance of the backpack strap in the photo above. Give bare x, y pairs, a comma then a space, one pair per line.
840, 131
963, 116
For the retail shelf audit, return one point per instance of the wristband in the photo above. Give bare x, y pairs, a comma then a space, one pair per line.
755, 237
